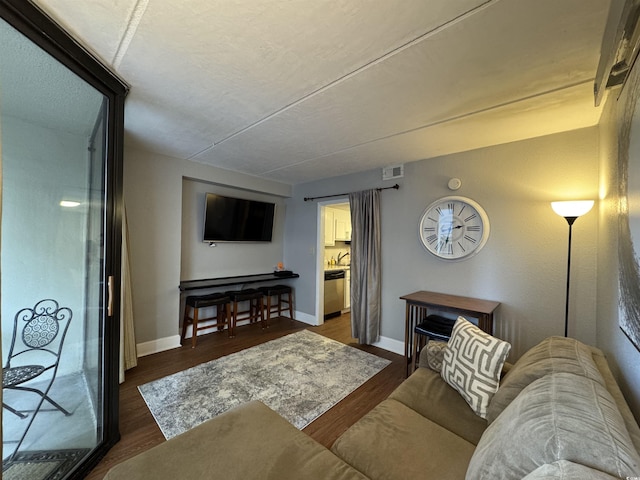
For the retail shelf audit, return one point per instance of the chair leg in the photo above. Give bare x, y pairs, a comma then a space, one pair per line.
13, 410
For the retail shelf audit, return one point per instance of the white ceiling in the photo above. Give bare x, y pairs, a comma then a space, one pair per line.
299, 90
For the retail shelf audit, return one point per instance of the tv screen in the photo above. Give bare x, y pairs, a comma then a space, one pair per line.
228, 219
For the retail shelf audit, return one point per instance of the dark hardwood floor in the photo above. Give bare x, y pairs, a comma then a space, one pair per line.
139, 431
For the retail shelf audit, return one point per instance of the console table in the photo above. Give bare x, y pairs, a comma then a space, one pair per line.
418, 304
228, 281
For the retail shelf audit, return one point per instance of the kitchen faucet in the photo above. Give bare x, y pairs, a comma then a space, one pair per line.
340, 256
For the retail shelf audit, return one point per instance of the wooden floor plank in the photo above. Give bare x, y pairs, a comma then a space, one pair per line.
139, 431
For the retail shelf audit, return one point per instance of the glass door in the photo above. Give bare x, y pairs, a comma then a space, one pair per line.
59, 260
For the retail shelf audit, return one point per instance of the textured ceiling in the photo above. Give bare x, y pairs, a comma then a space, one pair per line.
298, 90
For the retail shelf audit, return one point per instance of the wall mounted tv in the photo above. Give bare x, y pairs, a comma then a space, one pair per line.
228, 219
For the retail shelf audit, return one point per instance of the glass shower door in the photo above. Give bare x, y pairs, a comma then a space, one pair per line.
55, 243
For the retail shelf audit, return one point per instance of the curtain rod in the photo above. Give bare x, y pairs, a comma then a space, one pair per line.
307, 199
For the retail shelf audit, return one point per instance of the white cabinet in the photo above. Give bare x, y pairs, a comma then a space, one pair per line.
343, 225
329, 227
347, 289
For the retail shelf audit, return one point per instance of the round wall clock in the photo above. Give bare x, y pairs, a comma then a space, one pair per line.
454, 228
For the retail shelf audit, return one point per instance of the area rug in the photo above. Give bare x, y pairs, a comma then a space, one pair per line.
45, 465
300, 376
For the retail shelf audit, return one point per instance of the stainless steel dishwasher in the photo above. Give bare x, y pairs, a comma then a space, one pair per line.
333, 293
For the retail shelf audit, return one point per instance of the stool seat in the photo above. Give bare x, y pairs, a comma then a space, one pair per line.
275, 289
202, 301
256, 306
196, 302
435, 326
242, 295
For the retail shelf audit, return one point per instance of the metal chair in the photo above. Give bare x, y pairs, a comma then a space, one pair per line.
38, 336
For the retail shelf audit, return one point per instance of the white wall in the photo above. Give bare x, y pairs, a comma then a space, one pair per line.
153, 200
523, 265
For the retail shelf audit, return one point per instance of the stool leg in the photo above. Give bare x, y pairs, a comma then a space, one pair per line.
227, 312
194, 333
234, 316
185, 320
268, 309
290, 305
260, 306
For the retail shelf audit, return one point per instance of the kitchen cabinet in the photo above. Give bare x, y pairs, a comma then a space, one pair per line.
329, 227
347, 289
343, 225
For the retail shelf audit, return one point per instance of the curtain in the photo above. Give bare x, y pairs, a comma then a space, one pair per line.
128, 353
365, 266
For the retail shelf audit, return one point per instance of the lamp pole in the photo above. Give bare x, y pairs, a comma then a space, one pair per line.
570, 221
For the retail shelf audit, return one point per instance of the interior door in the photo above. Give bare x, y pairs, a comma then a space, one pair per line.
61, 130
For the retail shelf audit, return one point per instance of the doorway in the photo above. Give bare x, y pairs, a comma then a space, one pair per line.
333, 256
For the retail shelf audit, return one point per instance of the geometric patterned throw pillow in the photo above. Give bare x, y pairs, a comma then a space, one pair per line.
472, 364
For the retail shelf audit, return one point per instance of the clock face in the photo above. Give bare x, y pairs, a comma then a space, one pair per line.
454, 228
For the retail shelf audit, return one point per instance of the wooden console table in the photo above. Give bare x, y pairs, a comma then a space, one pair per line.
228, 281
418, 304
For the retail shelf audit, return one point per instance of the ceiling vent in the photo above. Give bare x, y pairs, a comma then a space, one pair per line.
392, 172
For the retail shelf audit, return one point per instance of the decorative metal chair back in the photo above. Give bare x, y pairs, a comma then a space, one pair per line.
36, 346
41, 328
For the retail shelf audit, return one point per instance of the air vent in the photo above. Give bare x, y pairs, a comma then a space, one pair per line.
392, 172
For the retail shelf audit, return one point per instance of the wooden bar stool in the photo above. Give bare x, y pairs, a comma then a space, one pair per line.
255, 310
432, 326
278, 291
196, 302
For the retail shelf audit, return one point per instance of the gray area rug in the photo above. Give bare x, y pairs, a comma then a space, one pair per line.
300, 376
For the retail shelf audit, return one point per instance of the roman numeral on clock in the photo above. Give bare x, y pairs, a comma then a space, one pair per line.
470, 239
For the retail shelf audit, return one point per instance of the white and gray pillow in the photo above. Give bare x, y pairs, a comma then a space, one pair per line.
472, 364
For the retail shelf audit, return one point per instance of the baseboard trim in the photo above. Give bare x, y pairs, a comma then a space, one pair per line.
306, 318
168, 343
390, 344
157, 346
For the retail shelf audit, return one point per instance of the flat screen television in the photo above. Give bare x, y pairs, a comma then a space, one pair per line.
228, 219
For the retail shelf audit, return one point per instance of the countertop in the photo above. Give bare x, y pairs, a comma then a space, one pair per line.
328, 268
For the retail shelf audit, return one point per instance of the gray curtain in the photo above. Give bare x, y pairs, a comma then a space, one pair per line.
365, 266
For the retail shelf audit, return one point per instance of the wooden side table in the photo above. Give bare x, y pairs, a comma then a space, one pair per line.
418, 304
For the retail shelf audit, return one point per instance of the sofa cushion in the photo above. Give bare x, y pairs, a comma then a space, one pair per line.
428, 394
472, 364
250, 441
552, 355
561, 416
394, 442
564, 470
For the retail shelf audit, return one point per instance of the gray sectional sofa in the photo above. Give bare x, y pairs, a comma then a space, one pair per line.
557, 414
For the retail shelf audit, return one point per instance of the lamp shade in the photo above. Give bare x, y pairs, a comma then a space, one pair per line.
573, 208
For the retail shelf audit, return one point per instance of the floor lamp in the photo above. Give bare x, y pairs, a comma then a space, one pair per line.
570, 210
